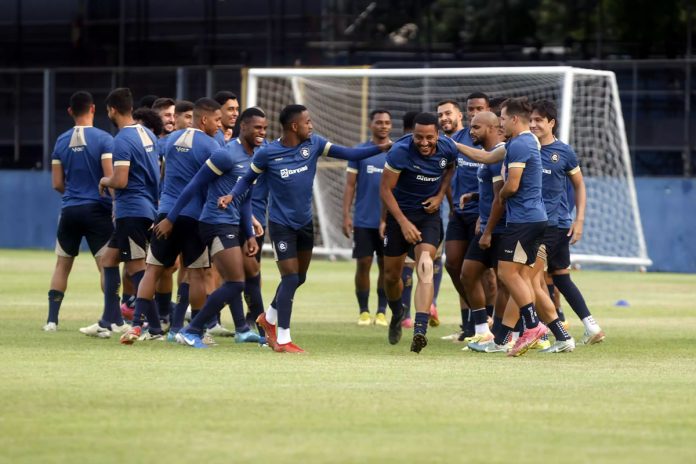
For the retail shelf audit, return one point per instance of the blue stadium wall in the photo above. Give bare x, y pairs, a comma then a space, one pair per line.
29, 214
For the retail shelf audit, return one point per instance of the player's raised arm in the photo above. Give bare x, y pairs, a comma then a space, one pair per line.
482, 156
354, 154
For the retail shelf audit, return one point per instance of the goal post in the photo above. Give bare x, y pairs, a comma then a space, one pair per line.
591, 121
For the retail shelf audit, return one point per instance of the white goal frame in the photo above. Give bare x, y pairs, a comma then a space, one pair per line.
565, 111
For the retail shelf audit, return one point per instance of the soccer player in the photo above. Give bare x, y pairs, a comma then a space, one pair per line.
462, 222
82, 156
227, 232
416, 175
526, 220
482, 252
149, 118
289, 165
364, 226
186, 150
560, 165
230, 112
165, 107
183, 114
135, 181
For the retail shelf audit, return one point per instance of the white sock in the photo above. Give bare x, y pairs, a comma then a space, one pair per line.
283, 336
590, 324
272, 315
481, 328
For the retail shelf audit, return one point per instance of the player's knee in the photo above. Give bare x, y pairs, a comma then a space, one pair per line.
301, 278
425, 268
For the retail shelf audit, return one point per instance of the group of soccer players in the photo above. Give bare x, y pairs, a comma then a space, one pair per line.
195, 186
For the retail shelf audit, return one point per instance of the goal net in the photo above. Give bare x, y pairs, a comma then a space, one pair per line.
339, 101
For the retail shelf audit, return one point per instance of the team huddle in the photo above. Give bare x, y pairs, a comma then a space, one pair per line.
196, 187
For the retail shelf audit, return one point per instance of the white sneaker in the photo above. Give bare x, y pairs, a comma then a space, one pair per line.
95, 330
219, 331
451, 337
148, 337
594, 336
50, 327
208, 339
120, 329
561, 346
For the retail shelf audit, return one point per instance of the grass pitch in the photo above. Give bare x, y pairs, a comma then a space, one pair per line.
354, 398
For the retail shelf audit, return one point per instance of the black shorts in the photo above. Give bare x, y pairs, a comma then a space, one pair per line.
429, 225
184, 239
557, 249
520, 242
219, 237
461, 227
259, 242
287, 242
366, 242
93, 222
489, 256
131, 237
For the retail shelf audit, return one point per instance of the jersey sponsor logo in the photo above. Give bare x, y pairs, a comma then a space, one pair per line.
183, 149
443, 163
304, 152
555, 157
423, 178
282, 246
374, 169
77, 148
285, 173
546, 171
461, 162
240, 166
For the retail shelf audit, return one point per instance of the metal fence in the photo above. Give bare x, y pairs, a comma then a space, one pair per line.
656, 97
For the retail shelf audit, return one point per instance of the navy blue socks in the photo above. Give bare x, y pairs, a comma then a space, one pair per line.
286, 293
112, 311
528, 313
363, 300
572, 294
420, 326
55, 298
215, 302
182, 302
381, 301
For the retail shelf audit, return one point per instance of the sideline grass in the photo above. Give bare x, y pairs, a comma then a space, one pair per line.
354, 398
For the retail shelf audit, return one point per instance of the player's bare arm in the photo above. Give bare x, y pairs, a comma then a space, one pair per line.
482, 156
348, 195
576, 228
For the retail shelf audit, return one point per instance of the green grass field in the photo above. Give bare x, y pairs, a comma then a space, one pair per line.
354, 398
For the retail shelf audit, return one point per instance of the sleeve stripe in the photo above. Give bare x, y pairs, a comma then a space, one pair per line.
497, 179
386, 166
352, 170
326, 149
56, 161
575, 170
256, 169
121, 163
107, 156
213, 167
517, 165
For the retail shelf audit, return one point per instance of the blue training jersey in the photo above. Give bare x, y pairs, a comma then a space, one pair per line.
229, 163
526, 205
558, 162
80, 151
420, 177
488, 175
289, 173
366, 212
185, 152
220, 137
259, 200
465, 178
135, 147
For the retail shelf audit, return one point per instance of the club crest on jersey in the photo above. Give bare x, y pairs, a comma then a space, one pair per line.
443, 163
304, 152
555, 157
282, 246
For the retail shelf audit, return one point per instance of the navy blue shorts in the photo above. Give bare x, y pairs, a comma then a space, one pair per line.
366, 242
93, 222
461, 227
429, 225
520, 242
185, 239
489, 256
219, 237
131, 237
287, 241
557, 248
